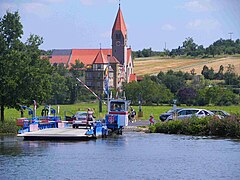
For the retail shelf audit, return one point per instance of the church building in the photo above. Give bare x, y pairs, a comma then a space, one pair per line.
116, 64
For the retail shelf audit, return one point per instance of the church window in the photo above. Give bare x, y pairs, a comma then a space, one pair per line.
118, 36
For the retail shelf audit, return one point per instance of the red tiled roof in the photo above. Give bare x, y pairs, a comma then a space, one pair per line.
87, 56
100, 58
133, 77
119, 23
114, 60
59, 59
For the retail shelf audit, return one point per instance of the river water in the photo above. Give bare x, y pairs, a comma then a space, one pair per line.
130, 156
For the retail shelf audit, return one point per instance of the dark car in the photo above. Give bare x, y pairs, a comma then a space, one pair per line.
164, 116
221, 113
80, 119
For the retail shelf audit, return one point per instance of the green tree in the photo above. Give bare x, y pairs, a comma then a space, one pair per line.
24, 76
150, 91
208, 73
219, 74
59, 86
132, 91
172, 81
187, 95
77, 91
189, 47
10, 34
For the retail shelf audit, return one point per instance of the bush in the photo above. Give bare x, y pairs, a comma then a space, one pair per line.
8, 127
227, 127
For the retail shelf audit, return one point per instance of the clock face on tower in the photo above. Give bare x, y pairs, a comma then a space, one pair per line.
118, 43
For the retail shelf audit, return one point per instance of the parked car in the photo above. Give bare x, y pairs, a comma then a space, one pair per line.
80, 119
190, 112
165, 115
221, 113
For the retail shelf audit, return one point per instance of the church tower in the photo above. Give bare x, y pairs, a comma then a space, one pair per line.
119, 39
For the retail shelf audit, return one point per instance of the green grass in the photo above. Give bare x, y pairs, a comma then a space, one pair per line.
12, 114
147, 110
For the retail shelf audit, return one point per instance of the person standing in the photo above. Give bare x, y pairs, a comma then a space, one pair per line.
133, 114
151, 120
90, 117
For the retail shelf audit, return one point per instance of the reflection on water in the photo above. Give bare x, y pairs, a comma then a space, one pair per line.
130, 156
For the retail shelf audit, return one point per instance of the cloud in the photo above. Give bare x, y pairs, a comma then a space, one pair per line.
93, 2
87, 2
53, 1
36, 8
199, 6
168, 27
33, 7
203, 24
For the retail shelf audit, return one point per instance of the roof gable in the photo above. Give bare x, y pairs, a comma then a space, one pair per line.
100, 58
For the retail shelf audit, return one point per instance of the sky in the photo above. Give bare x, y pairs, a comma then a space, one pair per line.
156, 24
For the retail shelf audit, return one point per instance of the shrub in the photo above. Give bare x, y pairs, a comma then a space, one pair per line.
227, 127
8, 127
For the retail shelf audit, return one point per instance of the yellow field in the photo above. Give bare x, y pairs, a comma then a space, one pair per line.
154, 65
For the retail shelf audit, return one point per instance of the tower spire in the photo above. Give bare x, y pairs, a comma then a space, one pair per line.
119, 3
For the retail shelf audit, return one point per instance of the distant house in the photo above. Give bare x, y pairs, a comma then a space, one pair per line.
117, 61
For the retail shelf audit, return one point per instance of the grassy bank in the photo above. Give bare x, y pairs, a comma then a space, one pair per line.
147, 110
227, 127
12, 114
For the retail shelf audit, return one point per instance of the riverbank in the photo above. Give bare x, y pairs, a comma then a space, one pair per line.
227, 127
210, 126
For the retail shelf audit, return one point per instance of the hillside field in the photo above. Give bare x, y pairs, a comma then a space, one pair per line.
153, 65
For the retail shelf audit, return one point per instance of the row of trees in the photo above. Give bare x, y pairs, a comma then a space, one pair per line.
186, 88
25, 77
146, 53
190, 48
219, 47
229, 77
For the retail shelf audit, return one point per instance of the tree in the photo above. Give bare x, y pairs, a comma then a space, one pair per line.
24, 76
10, 34
219, 74
230, 77
172, 81
75, 89
208, 73
59, 87
150, 91
187, 95
189, 46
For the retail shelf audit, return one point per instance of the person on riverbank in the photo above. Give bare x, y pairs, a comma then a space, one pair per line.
132, 115
151, 120
90, 117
